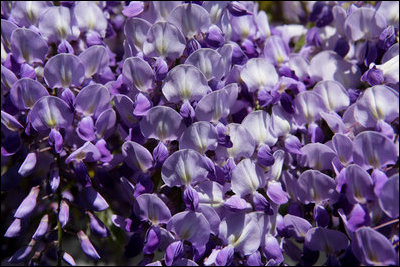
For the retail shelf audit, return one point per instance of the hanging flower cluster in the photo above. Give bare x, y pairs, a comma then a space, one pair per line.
200, 133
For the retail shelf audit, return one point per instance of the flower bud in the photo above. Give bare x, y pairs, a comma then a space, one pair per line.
321, 216
56, 140
261, 203
237, 9
65, 47
54, 179
21, 254
160, 68
27, 71
14, 229
63, 215
214, 37
68, 259
373, 76
28, 204
87, 246
97, 227
235, 203
28, 165
264, 156
134, 9
191, 198
42, 228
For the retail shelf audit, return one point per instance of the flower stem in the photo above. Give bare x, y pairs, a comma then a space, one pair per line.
386, 224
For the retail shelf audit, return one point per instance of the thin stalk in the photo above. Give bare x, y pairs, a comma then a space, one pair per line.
386, 224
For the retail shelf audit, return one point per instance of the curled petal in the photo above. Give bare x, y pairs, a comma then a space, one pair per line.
50, 112
184, 167
94, 200
105, 123
317, 156
139, 73
173, 252
137, 156
276, 193
334, 95
328, 65
87, 152
364, 23
308, 106
210, 193
200, 136
64, 70
326, 240
258, 124
86, 129
164, 40
276, 169
21, 254
162, 123
343, 147
190, 226
217, 104
359, 184
276, 50
92, 100
314, 187
243, 143
153, 237
95, 59
135, 30
185, 82
253, 74
55, 23
389, 197
247, 178
89, 16
151, 207
10, 122
142, 105
373, 248
296, 226
190, 19
379, 102
124, 106
209, 62
25, 92
212, 217
28, 46
8, 78
241, 231
373, 149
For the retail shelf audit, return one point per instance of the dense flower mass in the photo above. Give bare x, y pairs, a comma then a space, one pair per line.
200, 133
